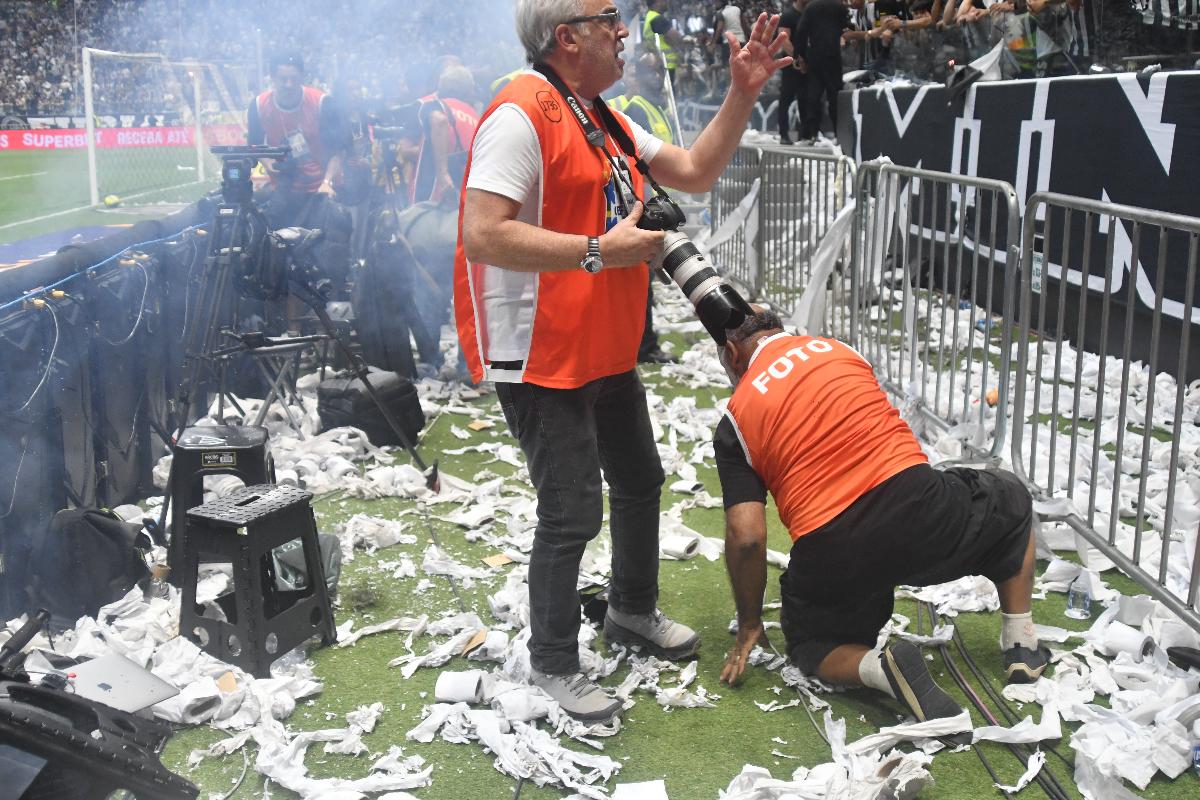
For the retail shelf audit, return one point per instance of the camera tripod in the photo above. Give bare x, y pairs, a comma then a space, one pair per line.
243, 251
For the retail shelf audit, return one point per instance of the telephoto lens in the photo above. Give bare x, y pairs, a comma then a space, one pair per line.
717, 304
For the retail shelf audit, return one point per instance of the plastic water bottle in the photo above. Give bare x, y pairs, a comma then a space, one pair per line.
1079, 602
1196, 747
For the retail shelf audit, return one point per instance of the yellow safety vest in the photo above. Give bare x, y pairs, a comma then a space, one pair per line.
669, 55
503, 80
658, 120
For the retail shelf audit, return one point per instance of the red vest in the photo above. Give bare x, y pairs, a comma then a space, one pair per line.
463, 121
558, 329
818, 429
301, 128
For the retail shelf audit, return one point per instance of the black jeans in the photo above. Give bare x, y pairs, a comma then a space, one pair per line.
791, 90
569, 436
823, 81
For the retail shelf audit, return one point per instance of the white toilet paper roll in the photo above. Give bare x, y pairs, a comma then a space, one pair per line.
338, 467
288, 476
459, 687
679, 546
1120, 638
307, 467
686, 487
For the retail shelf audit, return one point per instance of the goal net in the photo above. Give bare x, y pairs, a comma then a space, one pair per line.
151, 122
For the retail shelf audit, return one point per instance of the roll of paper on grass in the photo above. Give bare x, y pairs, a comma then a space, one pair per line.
459, 687
1120, 638
680, 547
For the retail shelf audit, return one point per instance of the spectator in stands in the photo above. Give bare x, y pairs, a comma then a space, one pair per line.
818, 51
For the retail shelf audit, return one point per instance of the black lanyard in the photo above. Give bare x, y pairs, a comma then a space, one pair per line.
595, 135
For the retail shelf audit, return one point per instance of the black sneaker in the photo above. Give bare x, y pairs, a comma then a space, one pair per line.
657, 356
1022, 665
905, 669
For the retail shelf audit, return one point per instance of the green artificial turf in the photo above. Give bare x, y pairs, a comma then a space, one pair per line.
42, 191
696, 751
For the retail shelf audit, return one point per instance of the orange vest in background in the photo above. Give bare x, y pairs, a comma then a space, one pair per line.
300, 126
556, 329
818, 429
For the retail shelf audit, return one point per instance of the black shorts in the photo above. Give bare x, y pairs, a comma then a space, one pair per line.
920, 527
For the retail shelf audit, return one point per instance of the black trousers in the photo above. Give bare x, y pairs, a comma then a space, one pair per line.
823, 81
791, 90
570, 437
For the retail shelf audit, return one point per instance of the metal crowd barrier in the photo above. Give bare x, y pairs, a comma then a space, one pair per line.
935, 257
736, 182
800, 193
1069, 441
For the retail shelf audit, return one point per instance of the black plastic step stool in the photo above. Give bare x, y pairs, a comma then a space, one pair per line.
204, 450
263, 621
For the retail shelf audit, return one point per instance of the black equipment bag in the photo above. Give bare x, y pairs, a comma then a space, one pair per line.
344, 401
88, 558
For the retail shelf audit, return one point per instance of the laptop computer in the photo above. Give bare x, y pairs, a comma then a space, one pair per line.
120, 683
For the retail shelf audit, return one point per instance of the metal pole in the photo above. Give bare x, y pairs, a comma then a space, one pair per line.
196, 114
89, 113
258, 60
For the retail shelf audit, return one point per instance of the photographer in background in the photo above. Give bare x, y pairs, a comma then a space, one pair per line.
301, 189
550, 290
447, 125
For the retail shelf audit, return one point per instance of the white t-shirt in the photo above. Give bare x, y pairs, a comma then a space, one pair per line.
506, 158
733, 22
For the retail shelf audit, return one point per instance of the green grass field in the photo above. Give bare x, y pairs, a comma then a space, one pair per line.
696, 751
42, 191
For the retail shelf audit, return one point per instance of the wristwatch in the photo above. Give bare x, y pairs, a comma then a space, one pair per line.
591, 262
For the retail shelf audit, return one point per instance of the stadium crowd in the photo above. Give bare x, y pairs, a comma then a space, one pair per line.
393, 49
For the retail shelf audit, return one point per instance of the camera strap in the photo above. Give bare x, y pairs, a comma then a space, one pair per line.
594, 134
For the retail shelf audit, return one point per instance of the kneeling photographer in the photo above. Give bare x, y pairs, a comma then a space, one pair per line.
550, 299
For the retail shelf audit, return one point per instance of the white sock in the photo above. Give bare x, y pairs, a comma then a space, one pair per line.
870, 670
1017, 630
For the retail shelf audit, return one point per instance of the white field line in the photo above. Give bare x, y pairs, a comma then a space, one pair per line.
85, 208
26, 175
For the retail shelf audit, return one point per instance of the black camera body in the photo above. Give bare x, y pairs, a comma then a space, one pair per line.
717, 304
237, 166
661, 214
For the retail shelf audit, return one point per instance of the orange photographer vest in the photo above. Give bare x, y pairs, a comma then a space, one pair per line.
817, 428
557, 329
301, 128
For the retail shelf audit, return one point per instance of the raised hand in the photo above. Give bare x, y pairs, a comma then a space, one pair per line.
751, 66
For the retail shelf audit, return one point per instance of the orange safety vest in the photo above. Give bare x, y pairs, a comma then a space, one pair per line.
817, 428
558, 329
301, 128
463, 120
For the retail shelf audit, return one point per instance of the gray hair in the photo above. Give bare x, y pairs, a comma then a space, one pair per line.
457, 82
536, 21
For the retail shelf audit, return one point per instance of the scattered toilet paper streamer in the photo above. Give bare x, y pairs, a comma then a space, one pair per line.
1036, 761
1025, 731
646, 790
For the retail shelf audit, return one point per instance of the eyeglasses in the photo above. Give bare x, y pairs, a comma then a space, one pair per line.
611, 19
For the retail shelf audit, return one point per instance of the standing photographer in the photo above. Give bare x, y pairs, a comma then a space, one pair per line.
550, 293
301, 190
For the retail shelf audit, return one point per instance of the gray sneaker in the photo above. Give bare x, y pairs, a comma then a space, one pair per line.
579, 696
652, 632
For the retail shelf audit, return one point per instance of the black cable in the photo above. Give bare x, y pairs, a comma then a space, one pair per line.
1045, 778
997, 697
423, 510
804, 704
517, 790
